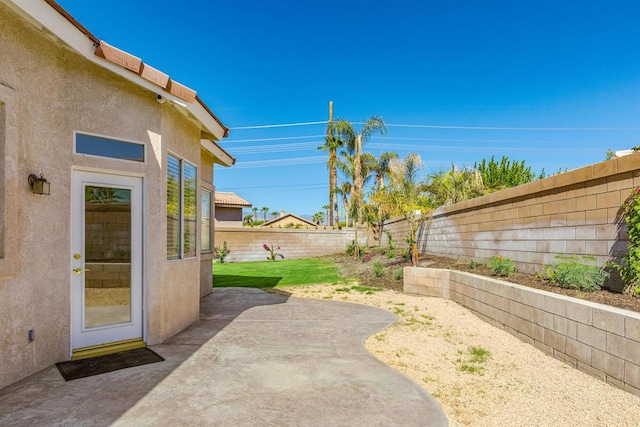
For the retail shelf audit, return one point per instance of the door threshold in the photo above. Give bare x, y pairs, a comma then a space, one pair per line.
107, 348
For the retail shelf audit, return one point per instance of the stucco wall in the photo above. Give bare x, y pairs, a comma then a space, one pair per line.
206, 258
224, 214
574, 213
73, 94
245, 244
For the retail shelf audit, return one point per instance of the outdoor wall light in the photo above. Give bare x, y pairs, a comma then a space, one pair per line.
39, 185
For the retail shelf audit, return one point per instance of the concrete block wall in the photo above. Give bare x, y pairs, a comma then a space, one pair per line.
600, 340
108, 275
246, 243
399, 229
574, 213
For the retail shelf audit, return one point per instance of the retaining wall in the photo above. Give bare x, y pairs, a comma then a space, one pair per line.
246, 243
600, 340
574, 213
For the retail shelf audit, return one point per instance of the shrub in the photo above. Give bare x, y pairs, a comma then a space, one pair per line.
398, 274
575, 273
501, 266
221, 253
351, 248
390, 244
630, 270
273, 253
391, 255
474, 264
366, 258
378, 269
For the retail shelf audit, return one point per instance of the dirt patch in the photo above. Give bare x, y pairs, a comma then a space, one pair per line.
363, 271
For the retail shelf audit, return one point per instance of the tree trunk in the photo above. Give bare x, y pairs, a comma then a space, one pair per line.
333, 183
358, 179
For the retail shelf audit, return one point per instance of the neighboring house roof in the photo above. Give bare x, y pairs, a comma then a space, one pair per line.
286, 217
57, 23
230, 200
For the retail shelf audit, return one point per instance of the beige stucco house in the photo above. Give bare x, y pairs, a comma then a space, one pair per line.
228, 212
289, 221
113, 251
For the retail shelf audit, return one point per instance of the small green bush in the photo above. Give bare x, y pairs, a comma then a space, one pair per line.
501, 266
391, 255
474, 264
221, 253
398, 274
573, 272
351, 249
378, 269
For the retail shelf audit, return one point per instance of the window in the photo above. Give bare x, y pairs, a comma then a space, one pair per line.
182, 208
205, 222
106, 147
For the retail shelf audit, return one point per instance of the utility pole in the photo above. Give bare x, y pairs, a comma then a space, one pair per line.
331, 195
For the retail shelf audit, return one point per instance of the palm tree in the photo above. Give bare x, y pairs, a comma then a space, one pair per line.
381, 167
406, 196
354, 142
345, 164
374, 124
255, 214
454, 185
264, 211
326, 209
318, 217
345, 191
336, 134
274, 215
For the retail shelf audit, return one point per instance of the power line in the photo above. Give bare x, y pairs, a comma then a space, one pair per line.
511, 128
255, 149
281, 162
275, 139
283, 125
274, 186
312, 146
450, 127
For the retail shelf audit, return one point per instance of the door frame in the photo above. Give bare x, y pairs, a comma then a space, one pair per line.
76, 193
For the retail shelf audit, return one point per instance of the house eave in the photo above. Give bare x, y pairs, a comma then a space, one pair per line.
52, 19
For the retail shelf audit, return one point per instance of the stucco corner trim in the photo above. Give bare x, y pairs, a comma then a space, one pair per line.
221, 157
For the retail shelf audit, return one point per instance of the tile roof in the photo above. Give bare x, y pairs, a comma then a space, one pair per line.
230, 200
136, 66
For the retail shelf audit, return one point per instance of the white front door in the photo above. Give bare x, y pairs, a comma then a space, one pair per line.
106, 259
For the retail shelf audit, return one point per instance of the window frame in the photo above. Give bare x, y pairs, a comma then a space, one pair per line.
209, 235
181, 208
97, 156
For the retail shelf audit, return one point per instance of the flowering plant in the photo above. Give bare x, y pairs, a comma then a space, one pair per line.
273, 254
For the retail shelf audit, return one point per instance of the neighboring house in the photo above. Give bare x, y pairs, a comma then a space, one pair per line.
228, 212
289, 221
113, 251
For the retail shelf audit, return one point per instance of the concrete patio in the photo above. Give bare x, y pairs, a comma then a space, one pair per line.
254, 358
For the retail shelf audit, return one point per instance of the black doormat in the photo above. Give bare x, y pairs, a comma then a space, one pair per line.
108, 363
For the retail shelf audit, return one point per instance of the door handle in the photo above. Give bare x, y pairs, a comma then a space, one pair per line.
79, 270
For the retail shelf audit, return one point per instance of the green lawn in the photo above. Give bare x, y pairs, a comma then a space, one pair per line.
269, 274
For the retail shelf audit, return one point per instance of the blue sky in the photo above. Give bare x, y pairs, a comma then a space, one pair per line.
489, 64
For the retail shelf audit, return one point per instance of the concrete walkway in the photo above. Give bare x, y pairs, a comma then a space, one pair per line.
255, 359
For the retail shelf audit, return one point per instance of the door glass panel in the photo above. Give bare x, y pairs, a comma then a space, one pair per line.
107, 248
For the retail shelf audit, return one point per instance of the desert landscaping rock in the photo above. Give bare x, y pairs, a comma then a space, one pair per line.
517, 385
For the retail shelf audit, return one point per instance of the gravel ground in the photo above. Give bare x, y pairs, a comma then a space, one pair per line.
481, 375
